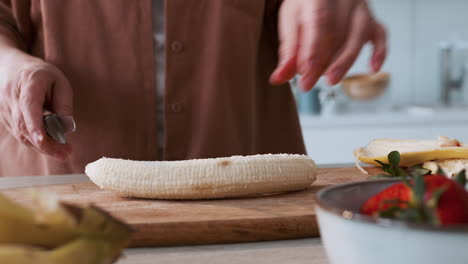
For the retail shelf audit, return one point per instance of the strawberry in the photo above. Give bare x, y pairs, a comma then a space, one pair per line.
434, 199
398, 194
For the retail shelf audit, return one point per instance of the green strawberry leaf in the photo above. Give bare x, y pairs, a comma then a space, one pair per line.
461, 178
440, 171
390, 212
431, 205
418, 189
435, 196
419, 172
380, 176
399, 172
388, 170
394, 158
410, 214
394, 202
416, 166
385, 167
381, 163
406, 182
393, 168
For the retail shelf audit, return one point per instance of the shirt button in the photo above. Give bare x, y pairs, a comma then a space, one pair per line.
177, 107
177, 47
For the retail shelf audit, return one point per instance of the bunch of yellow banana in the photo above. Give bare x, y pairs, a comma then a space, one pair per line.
56, 233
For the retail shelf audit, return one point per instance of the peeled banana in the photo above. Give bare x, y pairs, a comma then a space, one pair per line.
234, 176
412, 151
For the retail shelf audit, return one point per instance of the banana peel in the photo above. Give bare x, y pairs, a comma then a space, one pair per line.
412, 151
412, 158
448, 155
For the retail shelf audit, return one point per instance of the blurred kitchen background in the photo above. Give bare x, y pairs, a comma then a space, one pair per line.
424, 94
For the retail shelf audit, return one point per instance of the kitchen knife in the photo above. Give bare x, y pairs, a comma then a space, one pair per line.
55, 128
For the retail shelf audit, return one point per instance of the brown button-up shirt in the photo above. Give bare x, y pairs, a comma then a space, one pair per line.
218, 102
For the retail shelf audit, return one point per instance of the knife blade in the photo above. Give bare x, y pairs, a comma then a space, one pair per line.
55, 128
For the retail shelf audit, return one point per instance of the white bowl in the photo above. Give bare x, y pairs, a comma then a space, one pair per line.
353, 238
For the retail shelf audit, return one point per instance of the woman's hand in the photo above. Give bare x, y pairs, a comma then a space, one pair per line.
29, 86
320, 37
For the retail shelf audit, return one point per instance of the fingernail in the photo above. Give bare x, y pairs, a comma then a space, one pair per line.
273, 78
69, 123
380, 57
306, 83
376, 61
37, 137
282, 62
335, 76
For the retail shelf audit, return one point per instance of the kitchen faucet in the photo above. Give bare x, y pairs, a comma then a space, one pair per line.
452, 79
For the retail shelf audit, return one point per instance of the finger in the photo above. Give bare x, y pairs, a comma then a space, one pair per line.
5, 110
62, 100
344, 15
356, 39
69, 123
288, 34
18, 127
379, 40
347, 56
316, 44
31, 102
284, 72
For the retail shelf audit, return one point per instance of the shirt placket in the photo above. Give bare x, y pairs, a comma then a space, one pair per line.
148, 67
175, 96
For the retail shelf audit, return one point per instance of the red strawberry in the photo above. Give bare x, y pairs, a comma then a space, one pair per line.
434, 198
397, 194
452, 207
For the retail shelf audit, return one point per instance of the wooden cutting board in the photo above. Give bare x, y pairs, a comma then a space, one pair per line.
171, 223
